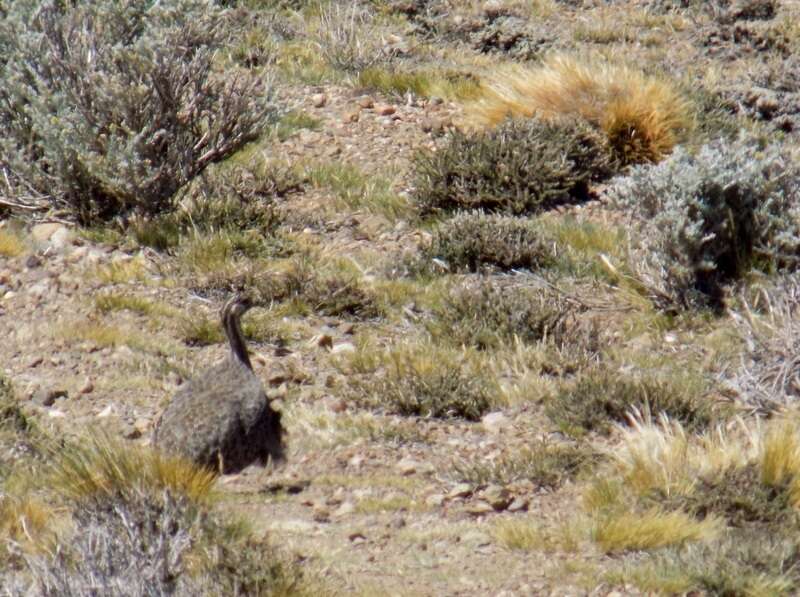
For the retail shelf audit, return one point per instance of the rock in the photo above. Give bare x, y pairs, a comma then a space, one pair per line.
518, 504
426, 124
322, 340
87, 387
385, 110
460, 491
495, 422
497, 497
33, 261
350, 116
436, 101
407, 466
42, 233
318, 100
343, 347
479, 509
321, 513
348, 329
35, 362
357, 538
130, 432
47, 397
366, 102
62, 238
435, 500
345, 509
142, 425
106, 412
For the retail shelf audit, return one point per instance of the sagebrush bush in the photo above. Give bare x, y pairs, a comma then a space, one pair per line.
543, 463
601, 397
239, 200
522, 166
144, 525
641, 117
440, 386
474, 241
710, 218
485, 314
111, 107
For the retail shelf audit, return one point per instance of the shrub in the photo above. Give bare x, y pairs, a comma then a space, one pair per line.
110, 107
485, 314
602, 397
144, 526
642, 117
522, 166
542, 463
713, 216
238, 200
419, 384
472, 241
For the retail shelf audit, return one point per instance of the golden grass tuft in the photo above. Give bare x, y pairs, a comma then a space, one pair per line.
101, 468
11, 244
643, 117
651, 530
24, 522
530, 535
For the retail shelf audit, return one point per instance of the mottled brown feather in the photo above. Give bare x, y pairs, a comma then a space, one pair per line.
222, 418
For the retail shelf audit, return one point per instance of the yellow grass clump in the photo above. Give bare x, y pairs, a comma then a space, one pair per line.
643, 117
103, 468
651, 530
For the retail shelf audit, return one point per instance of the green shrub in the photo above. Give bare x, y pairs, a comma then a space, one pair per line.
110, 107
522, 166
710, 218
542, 463
602, 397
472, 241
485, 314
414, 385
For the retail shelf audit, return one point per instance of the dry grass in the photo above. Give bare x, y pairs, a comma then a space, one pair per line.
11, 244
642, 116
103, 468
532, 535
651, 530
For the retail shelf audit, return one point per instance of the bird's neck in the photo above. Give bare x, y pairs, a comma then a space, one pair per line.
234, 333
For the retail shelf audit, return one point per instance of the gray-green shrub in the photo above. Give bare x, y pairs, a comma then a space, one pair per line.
522, 166
711, 217
473, 241
109, 107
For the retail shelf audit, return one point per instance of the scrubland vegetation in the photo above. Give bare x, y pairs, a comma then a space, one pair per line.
529, 272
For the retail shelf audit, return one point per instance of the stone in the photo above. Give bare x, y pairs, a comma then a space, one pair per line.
460, 491
142, 425
495, 422
47, 397
322, 340
366, 103
345, 509
407, 466
479, 509
62, 238
518, 504
130, 432
320, 513
42, 233
435, 500
426, 124
343, 347
351, 116
87, 387
385, 110
318, 100
497, 497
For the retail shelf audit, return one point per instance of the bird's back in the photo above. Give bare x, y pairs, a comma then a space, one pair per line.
222, 417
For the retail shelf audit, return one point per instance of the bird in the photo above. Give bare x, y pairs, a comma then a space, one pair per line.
222, 419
